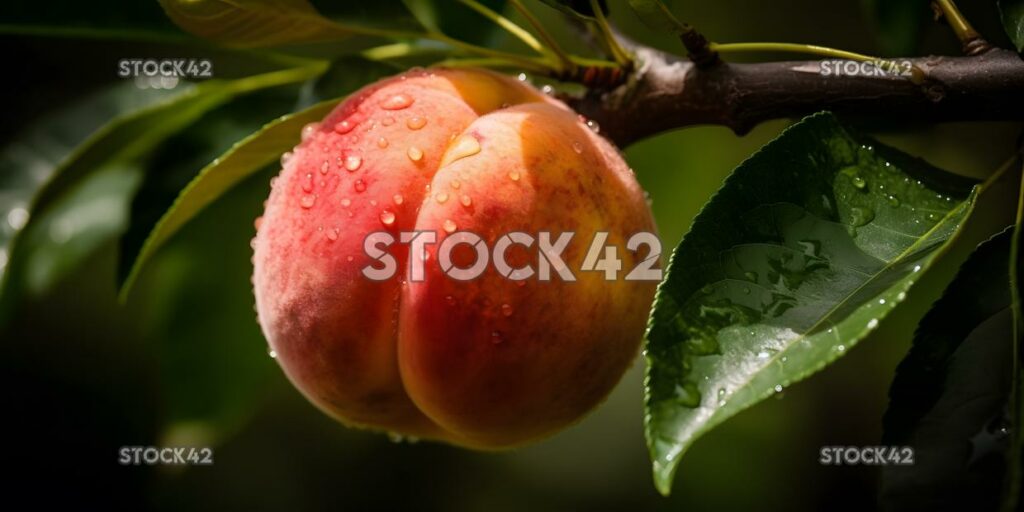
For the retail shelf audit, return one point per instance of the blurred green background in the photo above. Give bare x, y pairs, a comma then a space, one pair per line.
184, 363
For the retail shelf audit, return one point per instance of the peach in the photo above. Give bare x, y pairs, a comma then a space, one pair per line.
486, 363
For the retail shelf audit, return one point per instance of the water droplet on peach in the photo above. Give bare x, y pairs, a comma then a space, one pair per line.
398, 198
352, 162
466, 201
449, 226
506, 309
346, 202
514, 175
309, 130
397, 102
388, 121
577, 147
441, 197
360, 185
344, 127
415, 154
466, 145
324, 167
387, 218
307, 201
382, 143
416, 122
285, 157
307, 185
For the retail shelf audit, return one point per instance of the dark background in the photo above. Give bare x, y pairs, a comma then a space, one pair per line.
183, 363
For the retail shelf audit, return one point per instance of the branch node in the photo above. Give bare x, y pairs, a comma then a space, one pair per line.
698, 48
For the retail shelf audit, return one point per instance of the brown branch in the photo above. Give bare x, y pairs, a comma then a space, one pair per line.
667, 92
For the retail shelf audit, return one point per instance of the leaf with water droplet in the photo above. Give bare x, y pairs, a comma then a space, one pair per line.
768, 230
949, 397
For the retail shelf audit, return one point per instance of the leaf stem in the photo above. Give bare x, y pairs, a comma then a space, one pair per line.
970, 39
620, 55
505, 23
809, 49
552, 44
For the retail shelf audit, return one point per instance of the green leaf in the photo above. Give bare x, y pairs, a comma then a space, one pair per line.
804, 250
1012, 14
244, 158
577, 8
898, 24
121, 142
948, 399
264, 23
657, 15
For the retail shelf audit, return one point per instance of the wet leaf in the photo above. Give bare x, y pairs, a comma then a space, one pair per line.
804, 250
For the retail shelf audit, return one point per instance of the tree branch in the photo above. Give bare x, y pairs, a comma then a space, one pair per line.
667, 92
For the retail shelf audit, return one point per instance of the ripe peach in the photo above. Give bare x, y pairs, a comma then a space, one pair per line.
486, 363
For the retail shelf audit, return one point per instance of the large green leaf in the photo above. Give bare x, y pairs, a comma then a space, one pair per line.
657, 15
804, 250
949, 398
1012, 13
264, 23
119, 143
898, 24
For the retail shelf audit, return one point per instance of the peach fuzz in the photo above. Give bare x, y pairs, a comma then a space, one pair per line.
487, 363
